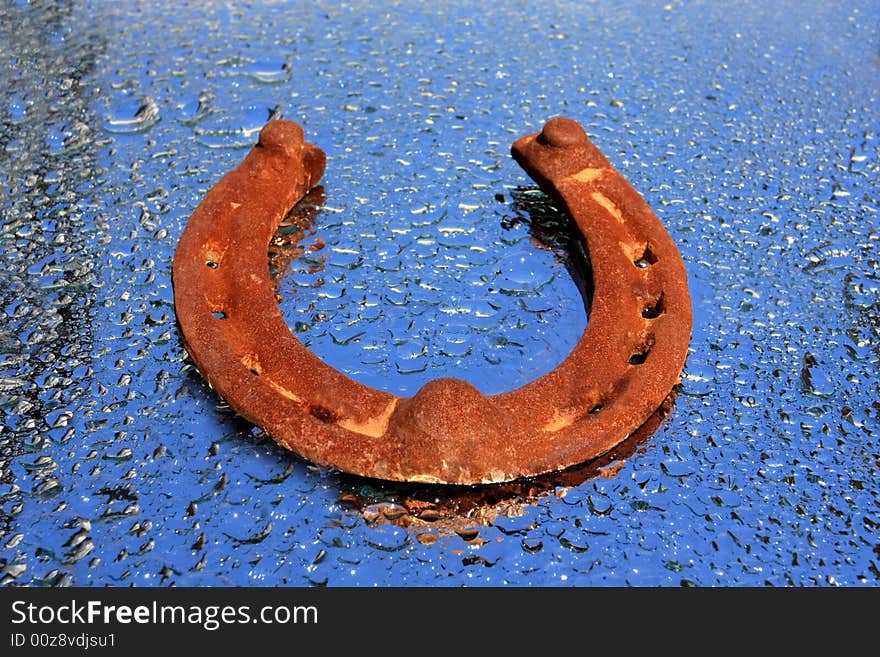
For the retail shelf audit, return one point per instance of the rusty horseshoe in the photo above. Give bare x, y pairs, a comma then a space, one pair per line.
623, 367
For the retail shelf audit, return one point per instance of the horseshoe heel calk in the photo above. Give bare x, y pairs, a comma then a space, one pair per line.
623, 367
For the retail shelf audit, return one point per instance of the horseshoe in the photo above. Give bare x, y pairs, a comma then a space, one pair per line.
627, 361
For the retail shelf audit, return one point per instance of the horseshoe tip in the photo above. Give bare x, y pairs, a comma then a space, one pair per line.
561, 132
282, 135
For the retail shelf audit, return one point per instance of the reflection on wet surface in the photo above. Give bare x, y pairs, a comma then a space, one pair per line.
301, 267
753, 134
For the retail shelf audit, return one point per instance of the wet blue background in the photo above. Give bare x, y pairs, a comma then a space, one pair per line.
752, 132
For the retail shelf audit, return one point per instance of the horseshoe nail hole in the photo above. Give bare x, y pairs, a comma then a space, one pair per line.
219, 314
211, 264
250, 361
323, 414
655, 309
647, 258
641, 353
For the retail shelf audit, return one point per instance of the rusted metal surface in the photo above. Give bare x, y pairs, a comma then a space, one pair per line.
623, 367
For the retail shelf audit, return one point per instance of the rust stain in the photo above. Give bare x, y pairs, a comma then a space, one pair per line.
608, 205
588, 175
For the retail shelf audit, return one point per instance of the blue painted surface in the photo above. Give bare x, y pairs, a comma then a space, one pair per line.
753, 133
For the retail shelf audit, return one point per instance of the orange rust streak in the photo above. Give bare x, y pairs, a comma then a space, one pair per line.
375, 426
558, 421
588, 175
608, 205
284, 392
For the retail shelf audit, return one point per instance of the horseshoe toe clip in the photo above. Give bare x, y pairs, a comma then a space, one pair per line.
623, 367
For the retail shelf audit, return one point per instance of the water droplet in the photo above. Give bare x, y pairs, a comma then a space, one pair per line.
130, 114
